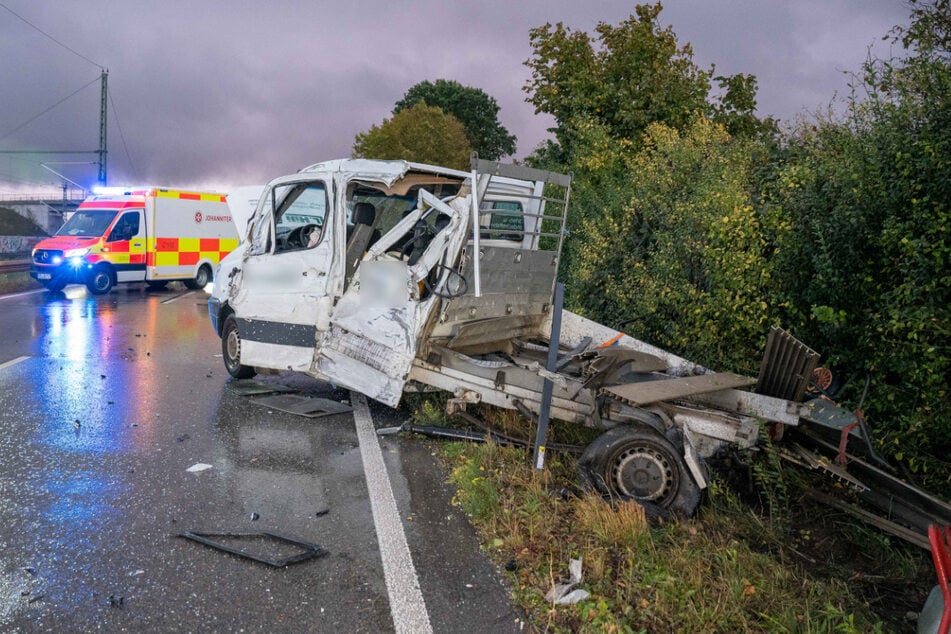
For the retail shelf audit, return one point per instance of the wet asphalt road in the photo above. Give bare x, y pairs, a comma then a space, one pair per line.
117, 396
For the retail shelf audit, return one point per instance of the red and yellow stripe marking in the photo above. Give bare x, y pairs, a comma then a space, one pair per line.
188, 251
168, 193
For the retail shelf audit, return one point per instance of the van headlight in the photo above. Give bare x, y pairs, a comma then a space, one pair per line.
75, 253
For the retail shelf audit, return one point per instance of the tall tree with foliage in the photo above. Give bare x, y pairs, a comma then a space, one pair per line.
626, 77
866, 267
421, 133
606, 90
685, 252
476, 110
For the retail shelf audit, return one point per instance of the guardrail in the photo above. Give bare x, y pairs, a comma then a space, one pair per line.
14, 266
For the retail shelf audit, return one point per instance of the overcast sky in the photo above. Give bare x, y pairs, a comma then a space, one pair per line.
231, 92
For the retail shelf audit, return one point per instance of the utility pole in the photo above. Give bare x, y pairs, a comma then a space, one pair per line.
103, 109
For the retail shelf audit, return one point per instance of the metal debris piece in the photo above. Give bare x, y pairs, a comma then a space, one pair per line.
251, 388
303, 405
308, 550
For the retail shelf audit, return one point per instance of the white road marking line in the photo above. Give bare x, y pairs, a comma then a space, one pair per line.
24, 293
402, 585
12, 362
172, 299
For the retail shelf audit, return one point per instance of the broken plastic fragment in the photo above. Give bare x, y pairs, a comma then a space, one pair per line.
198, 466
575, 596
561, 594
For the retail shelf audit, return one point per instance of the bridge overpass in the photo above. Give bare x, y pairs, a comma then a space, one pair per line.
45, 210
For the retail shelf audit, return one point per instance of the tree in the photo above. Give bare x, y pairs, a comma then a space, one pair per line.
865, 267
627, 77
421, 133
679, 245
477, 111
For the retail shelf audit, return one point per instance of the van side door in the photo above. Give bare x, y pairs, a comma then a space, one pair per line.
280, 293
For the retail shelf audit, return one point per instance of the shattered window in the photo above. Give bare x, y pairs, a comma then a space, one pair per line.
301, 210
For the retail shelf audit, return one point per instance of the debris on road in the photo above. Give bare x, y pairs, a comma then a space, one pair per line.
198, 466
307, 549
251, 388
562, 593
303, 405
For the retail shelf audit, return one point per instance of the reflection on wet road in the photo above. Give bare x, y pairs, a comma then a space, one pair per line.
119, 395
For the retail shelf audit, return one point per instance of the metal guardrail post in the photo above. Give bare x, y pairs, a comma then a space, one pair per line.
541, 435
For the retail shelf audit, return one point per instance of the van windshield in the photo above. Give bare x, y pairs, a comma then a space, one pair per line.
90, 223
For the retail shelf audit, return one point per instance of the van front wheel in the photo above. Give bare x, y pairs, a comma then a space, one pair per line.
231, 350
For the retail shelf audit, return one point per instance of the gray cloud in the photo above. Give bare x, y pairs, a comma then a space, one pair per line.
218, 92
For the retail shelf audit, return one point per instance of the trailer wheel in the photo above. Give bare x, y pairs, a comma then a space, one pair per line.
231, 350
201, 278
636, 463
100, 280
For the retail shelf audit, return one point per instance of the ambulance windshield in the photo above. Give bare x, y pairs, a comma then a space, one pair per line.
90, 223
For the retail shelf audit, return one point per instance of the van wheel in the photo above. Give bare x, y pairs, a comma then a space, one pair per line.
201, 278
636, 463
231, 350
100, 281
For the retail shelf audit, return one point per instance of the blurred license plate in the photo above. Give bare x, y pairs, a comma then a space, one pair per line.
44, 276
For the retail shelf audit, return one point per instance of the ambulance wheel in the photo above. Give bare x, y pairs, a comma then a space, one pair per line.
54, 285
201, 278
100, 280
636, 463
231, 350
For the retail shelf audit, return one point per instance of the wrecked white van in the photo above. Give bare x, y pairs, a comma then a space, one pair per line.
389, 276
348, 267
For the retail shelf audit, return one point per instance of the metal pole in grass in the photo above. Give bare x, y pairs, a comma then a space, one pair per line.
541, 435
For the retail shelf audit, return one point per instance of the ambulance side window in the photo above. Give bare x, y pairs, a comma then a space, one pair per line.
126, 228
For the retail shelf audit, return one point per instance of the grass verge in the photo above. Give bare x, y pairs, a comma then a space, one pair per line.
732, 568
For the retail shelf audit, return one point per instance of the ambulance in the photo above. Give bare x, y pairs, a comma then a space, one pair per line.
143, 235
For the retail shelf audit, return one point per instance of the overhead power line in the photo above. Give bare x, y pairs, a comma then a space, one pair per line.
50, 37
31, 120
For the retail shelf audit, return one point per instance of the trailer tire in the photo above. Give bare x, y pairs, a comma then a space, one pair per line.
637, 463
231, 350
201, 278
100, 280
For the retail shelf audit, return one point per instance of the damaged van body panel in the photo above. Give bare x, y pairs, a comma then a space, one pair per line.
342, 266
